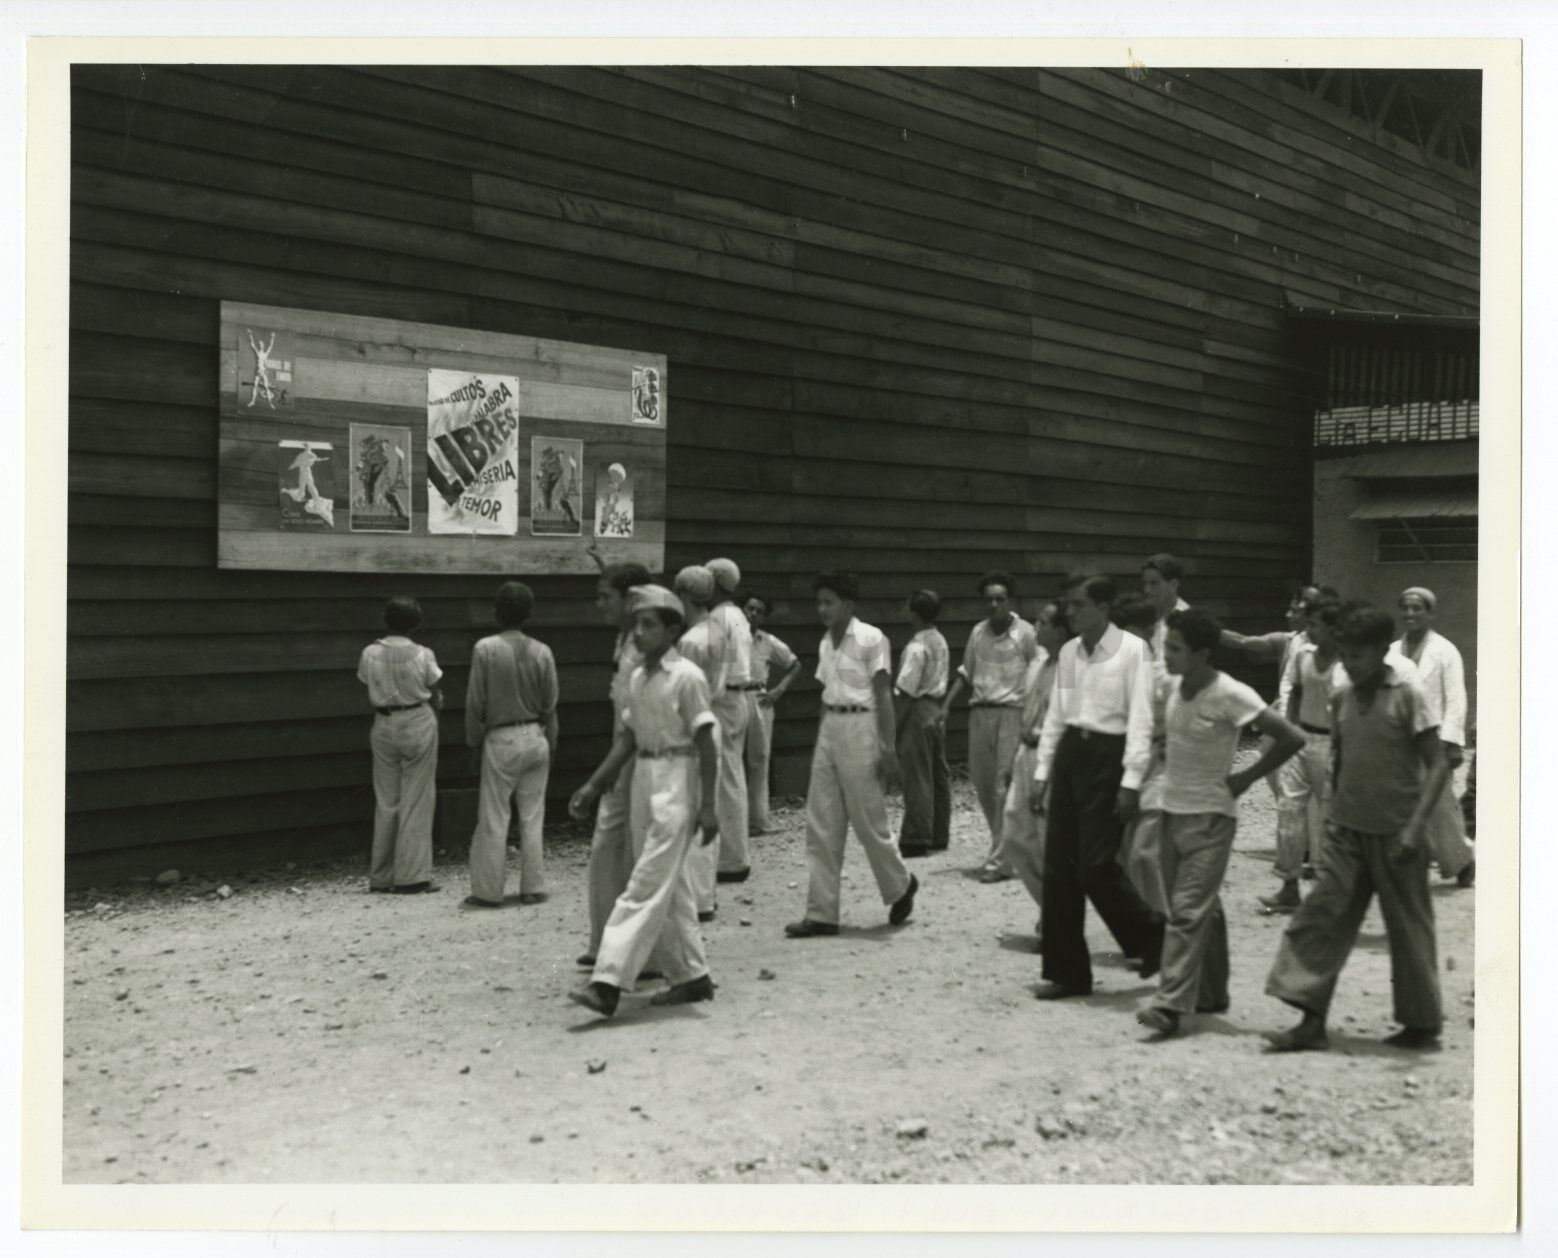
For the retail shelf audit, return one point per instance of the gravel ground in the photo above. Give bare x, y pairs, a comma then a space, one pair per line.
293, 1028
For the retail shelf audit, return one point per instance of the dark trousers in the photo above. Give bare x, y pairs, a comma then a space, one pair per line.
927, 784
1081, 860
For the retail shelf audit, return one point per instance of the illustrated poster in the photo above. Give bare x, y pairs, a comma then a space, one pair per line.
381, 479
556, 486
647, 402
472, 453
265, 370
305, 473
613, 502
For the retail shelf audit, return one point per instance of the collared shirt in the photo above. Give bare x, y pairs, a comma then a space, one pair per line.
730, 623
846, 670
768, 650
1312, 683
994, 663
1160, 637
667, 706
1443, 674
704, 645
923, 667
1038, 687
1379, 774
513, 679
1201, 736
398, 672
1108, 691
625, 657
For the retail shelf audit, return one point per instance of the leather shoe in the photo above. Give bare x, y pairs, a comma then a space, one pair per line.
601, 997
733, 875
471, 902
806, 928
533, 897
691, 993
909, 853
585, 960
1298, 1039
1152, 955
904, 904
1164, 1021
706, 916
414, 888
1059, 991
1414, 1037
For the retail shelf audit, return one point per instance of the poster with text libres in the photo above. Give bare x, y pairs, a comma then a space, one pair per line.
472, 440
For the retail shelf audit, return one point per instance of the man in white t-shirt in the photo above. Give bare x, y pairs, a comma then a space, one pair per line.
1205, 713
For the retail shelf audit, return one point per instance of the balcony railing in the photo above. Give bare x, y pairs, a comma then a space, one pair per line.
1386, 425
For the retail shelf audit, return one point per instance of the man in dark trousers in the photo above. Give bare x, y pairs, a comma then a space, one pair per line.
1093, 753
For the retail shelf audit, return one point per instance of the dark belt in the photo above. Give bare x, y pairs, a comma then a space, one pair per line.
751, 685
1030, 740
400, 707
983, 704
1090, 735
1314, 729
534, 720
666, 753
846, 707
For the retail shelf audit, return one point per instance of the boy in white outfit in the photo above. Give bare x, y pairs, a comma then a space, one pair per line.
733, 709
767, 650
704, 644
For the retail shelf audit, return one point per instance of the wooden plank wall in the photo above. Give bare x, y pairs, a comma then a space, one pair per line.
921, 322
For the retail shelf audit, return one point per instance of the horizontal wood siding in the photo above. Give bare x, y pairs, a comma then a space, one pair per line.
919, 322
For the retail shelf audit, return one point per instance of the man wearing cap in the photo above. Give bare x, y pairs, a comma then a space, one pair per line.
853, 764
734, 710
1442, 674
703, 644
668, 735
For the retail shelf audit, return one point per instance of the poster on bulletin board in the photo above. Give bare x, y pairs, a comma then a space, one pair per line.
354, 444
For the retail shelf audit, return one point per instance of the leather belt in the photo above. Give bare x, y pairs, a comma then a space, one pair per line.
667, 753
846, 707
400, 707
1087, 734
751, 685
983, 704
534, 720
1314, 729
1030, 740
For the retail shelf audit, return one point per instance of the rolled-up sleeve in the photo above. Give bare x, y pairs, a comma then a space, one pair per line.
1452, 728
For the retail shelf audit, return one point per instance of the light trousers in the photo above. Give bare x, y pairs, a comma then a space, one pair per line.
758, 752
405, 771
1445, 831
655, 919
733, 709
844, 792
515, 762
1194, 850
1320, 937
1303, 793
611, 853
1141, 856
1022, 832
994, 734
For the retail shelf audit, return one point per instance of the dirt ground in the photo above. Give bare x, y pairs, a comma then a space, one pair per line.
302, 1030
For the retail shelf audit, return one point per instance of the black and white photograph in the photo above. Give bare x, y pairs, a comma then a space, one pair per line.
1007, 716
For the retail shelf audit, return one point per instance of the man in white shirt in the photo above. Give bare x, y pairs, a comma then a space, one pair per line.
733, 710
922, 751
853, 765
1093, 754
704, 645
1160, 578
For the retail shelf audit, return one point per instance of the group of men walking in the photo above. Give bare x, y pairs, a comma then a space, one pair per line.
1101, 745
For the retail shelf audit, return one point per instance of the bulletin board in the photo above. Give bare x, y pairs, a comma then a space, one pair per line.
351, 444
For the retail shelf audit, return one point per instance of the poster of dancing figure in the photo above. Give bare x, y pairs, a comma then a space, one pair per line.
556, 486
381, 479
306, 476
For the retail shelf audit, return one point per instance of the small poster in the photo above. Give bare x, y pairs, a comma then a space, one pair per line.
646, 395
613, 502
556, 486
265, 370
381, 479
307, 479
472, 453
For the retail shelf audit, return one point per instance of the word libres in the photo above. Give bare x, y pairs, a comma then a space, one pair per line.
468, 448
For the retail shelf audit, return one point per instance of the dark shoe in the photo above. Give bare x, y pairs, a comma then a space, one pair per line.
1285, 901
733, 875
1222, 1008
472, 902
1419, 1038
380, 890
706, 916
1306, 1037
806, 928
601, 997
1059, 991
904, 904
533, 897
649, 976
1308, 872
585, 960
994, 873
415, 888
699, 989
1164, 1021
909, 853
1152, 955
1468, 875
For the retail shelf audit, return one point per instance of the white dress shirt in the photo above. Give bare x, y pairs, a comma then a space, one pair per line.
731, 623
1443, 677
1107, 691
846, 670
1160, 636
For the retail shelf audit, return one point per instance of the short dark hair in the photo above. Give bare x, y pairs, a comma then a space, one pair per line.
1095, 586
752, 596
845, 584
1060, 618
926, 604
1165, 565
402, 613
997, 576
1201, 630
514, 602
1131, 611
1362, 624
1324, 608
622, 577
